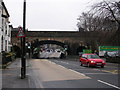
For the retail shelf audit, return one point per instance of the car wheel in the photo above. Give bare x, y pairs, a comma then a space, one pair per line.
102, 66
88, 64
81, 64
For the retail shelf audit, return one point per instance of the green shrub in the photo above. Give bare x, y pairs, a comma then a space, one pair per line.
113, 59
7, 57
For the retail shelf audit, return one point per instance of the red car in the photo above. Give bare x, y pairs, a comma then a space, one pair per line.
92, 60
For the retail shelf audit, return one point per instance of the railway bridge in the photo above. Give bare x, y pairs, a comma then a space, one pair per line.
74, 39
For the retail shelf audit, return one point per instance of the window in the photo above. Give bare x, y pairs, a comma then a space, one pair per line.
93, 57
2, 43
5, 29
84, 56
2, 24
5, 45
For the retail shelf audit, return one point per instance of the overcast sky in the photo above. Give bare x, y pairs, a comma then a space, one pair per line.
47, 14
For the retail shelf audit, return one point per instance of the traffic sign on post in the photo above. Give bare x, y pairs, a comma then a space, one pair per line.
20, 33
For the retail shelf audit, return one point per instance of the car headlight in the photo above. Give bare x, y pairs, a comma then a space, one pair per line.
92, 61
103, 61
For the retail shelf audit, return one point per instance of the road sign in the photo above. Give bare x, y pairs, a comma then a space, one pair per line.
87, 51
104, 49
20, 33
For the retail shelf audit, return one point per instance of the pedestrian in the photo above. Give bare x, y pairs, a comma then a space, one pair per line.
35, 53
96, 52
29, 52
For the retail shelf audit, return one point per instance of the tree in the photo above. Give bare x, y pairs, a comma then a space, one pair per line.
85, 22
91, 22
108, 10
103, 17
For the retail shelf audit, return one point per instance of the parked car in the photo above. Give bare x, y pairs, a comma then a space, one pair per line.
50, 54
92, 60
112, 54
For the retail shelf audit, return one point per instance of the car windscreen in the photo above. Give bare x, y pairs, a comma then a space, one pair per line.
93, 57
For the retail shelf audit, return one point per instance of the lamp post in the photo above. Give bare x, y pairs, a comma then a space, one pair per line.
23, 57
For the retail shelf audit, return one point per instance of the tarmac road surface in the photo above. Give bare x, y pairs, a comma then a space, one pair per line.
57, 73
48, 74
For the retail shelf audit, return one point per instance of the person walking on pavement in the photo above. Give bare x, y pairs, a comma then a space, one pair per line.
35, 52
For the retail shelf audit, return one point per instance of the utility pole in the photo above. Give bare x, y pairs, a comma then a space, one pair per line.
23, 57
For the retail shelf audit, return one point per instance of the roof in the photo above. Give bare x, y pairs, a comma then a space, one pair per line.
5, 9
16, 29
11, 26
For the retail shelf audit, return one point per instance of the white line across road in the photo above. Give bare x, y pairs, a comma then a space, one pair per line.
108, 84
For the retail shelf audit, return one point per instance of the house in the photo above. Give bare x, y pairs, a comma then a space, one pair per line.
5, 29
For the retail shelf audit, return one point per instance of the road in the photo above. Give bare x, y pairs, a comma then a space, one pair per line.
57, 73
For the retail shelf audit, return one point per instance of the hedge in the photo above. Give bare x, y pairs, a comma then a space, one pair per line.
7, 57
113, 59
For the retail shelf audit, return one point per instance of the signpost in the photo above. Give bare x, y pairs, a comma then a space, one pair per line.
21, 34
23, 58
87, 51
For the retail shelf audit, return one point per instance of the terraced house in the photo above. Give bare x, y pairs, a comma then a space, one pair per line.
5, 29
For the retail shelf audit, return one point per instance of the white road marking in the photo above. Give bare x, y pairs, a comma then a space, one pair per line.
64, 62
109, 71
77, 72
83, 68
72, 70
68, 63
52, 62
61, 66
96, 73
108, 84
49, 61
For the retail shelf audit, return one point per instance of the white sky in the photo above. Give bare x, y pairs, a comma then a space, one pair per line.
47, 14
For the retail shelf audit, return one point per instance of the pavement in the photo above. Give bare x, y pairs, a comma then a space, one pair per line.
11, 76
0, 59
0, 71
